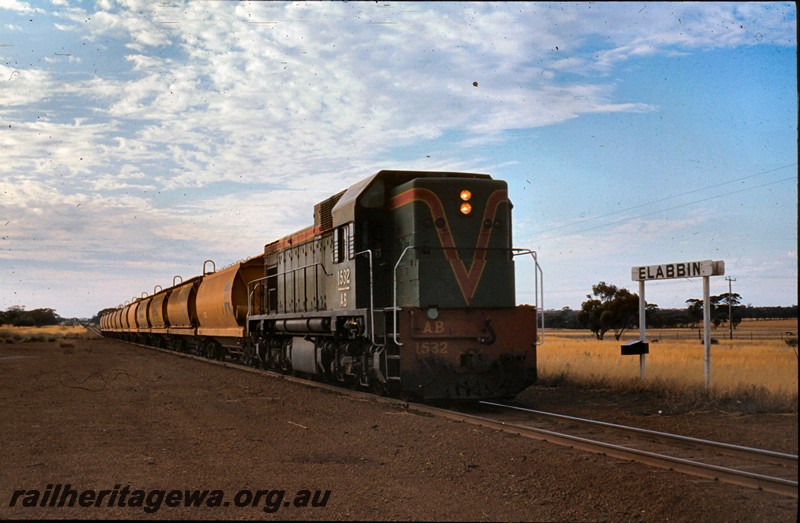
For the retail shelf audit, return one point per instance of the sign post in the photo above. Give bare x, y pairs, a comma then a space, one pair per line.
642, 328
704, 269
707, 329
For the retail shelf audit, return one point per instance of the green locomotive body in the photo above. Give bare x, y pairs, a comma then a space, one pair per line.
405, 283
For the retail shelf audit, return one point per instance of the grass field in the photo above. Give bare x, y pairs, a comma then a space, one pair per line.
52, 333
751, 330
758, 367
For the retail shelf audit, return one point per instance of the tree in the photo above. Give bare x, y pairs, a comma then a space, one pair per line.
17, 315
718, 307
565, 318
695, 311
728, 302
612, 308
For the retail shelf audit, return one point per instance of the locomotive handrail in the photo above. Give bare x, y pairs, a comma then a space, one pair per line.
394, 294
371, 297
299, 269
284, 273
538, 290
250, 293
250, 302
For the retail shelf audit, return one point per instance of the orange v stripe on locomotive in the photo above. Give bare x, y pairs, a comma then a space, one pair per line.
467, 279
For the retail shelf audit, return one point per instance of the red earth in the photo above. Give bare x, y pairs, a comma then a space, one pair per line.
147, 426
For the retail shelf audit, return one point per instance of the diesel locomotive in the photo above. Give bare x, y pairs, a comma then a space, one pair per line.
404, 284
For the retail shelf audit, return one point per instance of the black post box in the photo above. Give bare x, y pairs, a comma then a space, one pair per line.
635, 347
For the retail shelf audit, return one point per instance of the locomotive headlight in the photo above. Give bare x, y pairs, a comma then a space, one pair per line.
466, 207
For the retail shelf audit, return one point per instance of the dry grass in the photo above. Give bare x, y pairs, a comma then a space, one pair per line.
51, 333
761, 374
749, 330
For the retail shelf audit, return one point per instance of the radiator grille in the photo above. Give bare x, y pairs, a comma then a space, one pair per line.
322, 212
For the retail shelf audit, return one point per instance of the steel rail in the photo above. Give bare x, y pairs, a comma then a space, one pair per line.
772, 484
782, 486
790, 459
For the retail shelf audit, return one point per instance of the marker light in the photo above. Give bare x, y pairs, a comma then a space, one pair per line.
466, 208
432, 313
466, 195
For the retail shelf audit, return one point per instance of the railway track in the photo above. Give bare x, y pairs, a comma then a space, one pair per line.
760, 469
745, 466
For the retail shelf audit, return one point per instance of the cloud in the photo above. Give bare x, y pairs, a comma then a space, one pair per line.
181, 125
22, 87
313, 85
137, 21
19, 6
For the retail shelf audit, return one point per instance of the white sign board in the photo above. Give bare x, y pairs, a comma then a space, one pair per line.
668, 271
695, 269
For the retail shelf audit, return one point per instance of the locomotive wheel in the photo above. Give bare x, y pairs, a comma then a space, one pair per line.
410, 397
247, 357
379, 388
250, 358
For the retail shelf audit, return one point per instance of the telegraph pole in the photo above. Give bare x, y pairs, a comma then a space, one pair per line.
730, 308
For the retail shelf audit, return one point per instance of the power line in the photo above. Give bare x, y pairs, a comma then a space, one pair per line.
653, 202
668, 208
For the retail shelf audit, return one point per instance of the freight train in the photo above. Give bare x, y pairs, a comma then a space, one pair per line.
404, 284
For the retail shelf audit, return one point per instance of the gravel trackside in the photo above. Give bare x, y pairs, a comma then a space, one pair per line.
99, 415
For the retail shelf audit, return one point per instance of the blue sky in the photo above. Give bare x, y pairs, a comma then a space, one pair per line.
140, 138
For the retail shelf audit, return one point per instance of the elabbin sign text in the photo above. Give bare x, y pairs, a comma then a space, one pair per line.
693, 269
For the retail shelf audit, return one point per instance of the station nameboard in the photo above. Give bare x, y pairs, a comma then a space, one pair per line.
693, 269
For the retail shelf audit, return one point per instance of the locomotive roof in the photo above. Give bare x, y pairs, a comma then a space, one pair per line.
344, 210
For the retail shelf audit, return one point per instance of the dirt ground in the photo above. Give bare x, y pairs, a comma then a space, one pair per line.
146, 426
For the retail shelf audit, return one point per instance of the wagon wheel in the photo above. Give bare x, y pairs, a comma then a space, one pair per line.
247, 357
207, 349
